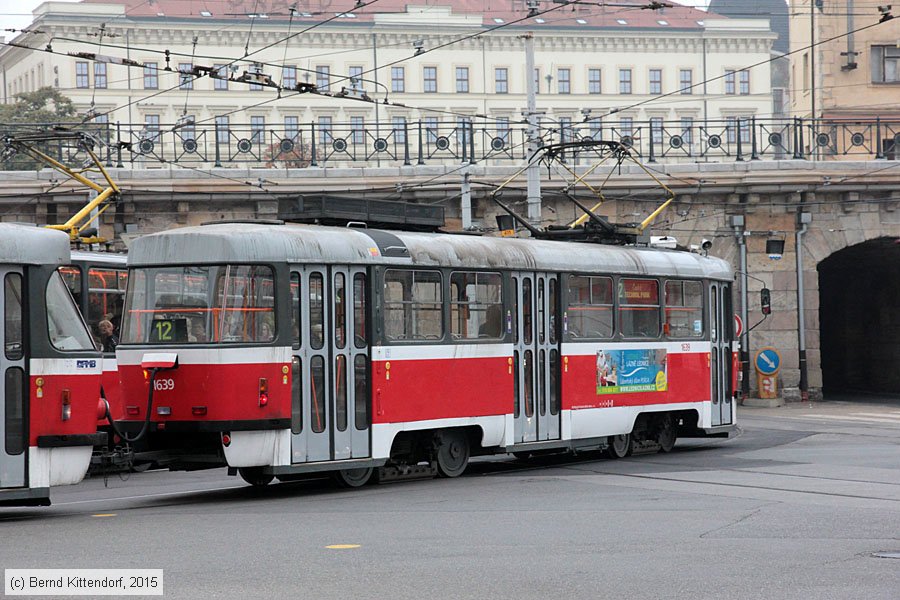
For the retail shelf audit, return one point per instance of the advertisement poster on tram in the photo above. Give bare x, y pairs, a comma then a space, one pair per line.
623, 371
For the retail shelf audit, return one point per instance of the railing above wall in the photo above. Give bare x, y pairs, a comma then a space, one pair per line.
206, 144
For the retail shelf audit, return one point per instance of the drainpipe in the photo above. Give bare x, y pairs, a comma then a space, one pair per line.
803, 219
740, 235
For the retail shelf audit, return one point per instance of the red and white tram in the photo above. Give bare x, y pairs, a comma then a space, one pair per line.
283, 349
51, 370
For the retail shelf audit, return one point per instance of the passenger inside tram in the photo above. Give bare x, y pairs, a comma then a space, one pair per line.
493, 322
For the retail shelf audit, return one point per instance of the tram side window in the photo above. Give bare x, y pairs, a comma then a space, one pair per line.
14, 410
64, 324
12, 316
589, 314
247, 297
684, 309
106, 298
359, 310
476, 306
295, 310
639, 308
413, 302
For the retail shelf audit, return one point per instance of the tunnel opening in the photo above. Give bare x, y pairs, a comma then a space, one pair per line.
859, 319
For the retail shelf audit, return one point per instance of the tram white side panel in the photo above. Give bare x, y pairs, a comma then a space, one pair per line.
494, 429
259, 448
57, 466
598, 422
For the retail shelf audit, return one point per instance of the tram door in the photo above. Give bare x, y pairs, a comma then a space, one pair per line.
720, 362
12, 385
330, 410
536, 357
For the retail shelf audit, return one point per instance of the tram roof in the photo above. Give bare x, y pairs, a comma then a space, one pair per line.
31, 245
113, 259
311, 244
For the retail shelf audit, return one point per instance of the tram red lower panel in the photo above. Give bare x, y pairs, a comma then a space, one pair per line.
208, 392
688, 380
420, 390
47, 405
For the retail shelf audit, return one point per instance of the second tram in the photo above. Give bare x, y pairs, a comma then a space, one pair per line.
284, 349
50, 370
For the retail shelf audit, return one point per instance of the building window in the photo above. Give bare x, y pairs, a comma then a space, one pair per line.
626, 126
431, 128
624, 81
325, 135
292, 128
398, 79
594, 81
100, 76
745, 82
257, 129
501, 80
687, 128
398, 126
595, 126
656, 130
729, 82
503, 131
462, 80
885, 65
686, 81
289, 76
733, 124
429, 80
806, 69
221, 77
356, 82
188, 130
222, 129
564, 81
81, 75
256, 68
323, 77
656, 81
185, 76
357, 129
151, 127
151, 76
565, 129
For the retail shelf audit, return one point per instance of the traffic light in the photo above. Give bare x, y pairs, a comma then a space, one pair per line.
765, 301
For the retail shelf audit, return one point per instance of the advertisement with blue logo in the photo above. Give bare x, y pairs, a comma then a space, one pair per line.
623, 371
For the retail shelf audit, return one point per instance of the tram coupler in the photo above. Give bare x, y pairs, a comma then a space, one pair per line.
112, 461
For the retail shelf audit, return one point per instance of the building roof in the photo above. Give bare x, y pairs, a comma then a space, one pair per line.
774, 10
492, 12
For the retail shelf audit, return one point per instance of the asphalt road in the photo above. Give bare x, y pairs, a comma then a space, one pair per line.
792, 507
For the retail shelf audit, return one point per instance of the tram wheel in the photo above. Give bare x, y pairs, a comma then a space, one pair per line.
667, 435
353, 478
620, 446
522, 455
452, 453
255, 476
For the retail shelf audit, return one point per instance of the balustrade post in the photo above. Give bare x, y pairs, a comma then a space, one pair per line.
740, 148
312, 145
800, 129
421, 160
879, 152
218, 162
796, 136
406, 162
119, 164
472, 143
754, 155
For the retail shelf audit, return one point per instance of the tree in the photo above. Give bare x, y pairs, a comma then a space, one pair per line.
35, 112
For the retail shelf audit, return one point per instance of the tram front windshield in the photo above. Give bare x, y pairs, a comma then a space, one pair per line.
200, 305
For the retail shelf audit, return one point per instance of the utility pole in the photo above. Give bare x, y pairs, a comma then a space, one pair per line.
533, 173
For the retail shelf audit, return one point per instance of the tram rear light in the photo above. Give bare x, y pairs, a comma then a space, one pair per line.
132, 410
66, 406
263, 391
226, 440
198, 411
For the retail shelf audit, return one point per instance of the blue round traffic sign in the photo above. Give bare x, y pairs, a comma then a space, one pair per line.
768, 361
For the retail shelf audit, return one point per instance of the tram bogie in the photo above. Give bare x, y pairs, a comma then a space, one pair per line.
303, 349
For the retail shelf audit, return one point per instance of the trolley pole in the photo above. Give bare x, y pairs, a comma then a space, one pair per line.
533, 173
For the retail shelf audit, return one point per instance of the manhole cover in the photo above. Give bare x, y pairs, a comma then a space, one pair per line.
887, 554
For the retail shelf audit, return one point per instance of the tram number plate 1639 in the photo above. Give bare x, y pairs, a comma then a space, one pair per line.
163, 385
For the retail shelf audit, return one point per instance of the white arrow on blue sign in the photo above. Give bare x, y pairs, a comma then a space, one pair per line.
768, 361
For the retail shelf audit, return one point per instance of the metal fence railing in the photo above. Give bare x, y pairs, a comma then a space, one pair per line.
207, 144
